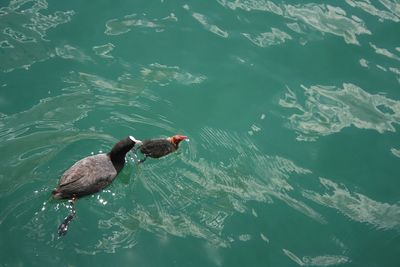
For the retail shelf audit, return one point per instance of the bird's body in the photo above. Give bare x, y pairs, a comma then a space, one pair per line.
90, 175
85, 177
157, 148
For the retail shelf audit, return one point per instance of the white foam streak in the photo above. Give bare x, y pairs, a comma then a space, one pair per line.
25, 39
130, 22
265, 39
395, 152
357, 206
104, 50
199, 197
328, 110
164, 75
322, 260
321, 17
368, 7
210, 27
73, 53
384, 52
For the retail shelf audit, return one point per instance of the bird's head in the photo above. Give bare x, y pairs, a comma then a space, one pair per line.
176, 139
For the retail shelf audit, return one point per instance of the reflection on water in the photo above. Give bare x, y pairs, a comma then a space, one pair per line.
24, 30
195, 200
384, 52
104, 50
164, 75
327, 110
275, 37
392, 12
323, 260
321, 17
70, 52
37, 135
224, 174
357, 206
395, 152
198, 198
203, 20
129, 22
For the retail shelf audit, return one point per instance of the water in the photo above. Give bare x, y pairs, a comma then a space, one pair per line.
292, 109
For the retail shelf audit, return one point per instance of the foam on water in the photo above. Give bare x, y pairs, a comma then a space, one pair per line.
275, 37
73, 53
232, 75
197, 199
322, 260
104, 50
164, 75
203, 20
357, 206
392, 12
24, 40
129, 22
327, 110
320, 17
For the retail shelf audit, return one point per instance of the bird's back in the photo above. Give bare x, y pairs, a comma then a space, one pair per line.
157, 148
87, 176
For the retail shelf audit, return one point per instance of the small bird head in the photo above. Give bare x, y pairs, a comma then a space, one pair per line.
176, 139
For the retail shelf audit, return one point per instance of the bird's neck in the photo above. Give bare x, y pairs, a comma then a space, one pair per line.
118, 153
172, 141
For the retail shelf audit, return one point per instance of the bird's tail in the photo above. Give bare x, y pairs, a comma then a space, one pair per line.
63, 228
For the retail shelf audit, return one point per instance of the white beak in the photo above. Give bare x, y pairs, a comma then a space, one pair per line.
135, 140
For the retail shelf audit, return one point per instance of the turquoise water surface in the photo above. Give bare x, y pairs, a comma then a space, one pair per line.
292, 109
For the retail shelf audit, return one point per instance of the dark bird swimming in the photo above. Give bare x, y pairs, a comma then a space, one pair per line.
90, 175
157, 148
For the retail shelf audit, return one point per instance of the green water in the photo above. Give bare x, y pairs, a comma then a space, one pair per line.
292, 109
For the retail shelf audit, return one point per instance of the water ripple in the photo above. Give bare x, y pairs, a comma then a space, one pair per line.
265, 39
203, 20
322, 260
70, 52
328, 110
321, 17
368, 7
384, 52
357, 206
108, 88
198, 198
129, 22
25, 38
164, 75
104, 50
395, 152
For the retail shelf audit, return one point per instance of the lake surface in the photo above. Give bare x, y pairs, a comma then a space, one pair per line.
292, 109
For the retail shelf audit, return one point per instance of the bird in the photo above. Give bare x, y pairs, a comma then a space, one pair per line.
157, 148
90, 175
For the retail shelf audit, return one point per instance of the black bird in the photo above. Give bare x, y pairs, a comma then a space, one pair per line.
157, 148
90, 175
